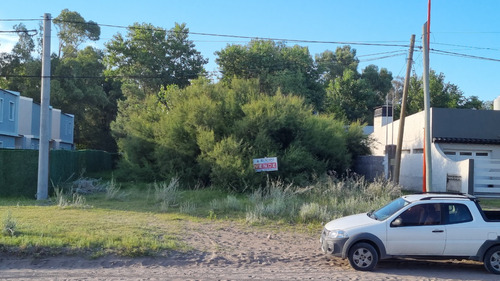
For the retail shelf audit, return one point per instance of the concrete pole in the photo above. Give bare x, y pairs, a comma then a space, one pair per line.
427, 112
402, 116
43, 151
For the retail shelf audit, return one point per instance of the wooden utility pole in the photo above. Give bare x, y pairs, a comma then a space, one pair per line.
402, 116
427, 111
43, 148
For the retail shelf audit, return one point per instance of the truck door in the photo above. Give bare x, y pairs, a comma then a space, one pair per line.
463, 235
417, 231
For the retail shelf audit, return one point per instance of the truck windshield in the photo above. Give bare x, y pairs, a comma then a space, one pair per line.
389, 209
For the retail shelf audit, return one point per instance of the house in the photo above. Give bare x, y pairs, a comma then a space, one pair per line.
9, 106
465, 149
20, 123
29, 124
62, 130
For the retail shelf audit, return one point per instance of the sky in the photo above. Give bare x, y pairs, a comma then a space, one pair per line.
470, 30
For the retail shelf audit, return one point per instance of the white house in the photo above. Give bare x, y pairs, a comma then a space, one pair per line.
465, 149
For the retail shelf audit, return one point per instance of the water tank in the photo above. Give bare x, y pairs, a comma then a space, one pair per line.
496, 104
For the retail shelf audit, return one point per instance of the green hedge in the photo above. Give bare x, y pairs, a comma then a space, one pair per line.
19, 168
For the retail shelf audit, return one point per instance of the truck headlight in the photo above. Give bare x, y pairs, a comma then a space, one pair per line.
337, 233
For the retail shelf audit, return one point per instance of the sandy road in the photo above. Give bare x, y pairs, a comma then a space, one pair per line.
231, 251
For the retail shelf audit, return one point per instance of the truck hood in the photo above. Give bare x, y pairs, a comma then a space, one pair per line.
350, 222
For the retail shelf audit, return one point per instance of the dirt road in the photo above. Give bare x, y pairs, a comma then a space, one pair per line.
230, 251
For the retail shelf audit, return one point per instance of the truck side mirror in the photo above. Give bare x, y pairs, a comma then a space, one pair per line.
397, 222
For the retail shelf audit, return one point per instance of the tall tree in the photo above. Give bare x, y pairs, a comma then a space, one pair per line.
353, 97
332, 65
152, 57
276, 66
443, 94
78, 89
73, 31
20, 69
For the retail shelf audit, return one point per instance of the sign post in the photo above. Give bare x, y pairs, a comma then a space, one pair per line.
265, 164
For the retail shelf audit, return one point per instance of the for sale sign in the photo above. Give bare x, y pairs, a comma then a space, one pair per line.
265, 164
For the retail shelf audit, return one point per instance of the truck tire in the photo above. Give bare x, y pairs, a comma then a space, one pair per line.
492, 260
363, 256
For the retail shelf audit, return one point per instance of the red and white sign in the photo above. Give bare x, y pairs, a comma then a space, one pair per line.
265, 164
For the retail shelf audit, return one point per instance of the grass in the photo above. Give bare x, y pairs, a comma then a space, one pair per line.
95, 229
148, 219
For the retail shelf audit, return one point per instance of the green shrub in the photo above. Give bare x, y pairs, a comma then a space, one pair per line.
210, 133
9, 225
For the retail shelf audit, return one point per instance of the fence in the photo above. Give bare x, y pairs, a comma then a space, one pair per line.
19, 168
487, 177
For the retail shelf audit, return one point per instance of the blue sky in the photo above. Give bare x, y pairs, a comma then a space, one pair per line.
466, 27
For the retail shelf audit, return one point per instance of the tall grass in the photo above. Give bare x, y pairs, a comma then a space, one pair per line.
69, 200
327, 199
152, 218
167, 195
9, 226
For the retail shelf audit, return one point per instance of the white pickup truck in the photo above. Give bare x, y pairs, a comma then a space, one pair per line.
428, 225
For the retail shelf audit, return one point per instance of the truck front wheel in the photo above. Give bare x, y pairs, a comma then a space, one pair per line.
492, 260
363, 256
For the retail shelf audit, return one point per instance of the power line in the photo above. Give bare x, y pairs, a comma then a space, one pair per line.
383, 57
360, 43
470, 47
462, 55
21, 31
40, 19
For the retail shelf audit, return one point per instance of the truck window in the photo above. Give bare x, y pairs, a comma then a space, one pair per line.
457, 213
389, 209
422, 214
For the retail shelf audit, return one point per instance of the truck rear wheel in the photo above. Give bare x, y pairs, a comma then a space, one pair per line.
492, 260
363, 256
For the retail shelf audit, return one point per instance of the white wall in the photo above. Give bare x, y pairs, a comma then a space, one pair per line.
56, 124
411, 173
25, 115
387, 134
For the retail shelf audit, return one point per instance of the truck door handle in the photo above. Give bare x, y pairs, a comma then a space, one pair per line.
437, 231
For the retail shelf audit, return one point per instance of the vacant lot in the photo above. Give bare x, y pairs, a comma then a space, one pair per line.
160, 232
229, 250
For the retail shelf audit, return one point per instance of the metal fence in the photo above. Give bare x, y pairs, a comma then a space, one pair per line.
19, 168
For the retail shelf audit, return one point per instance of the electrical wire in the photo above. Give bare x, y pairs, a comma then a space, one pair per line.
360, 43
441, 52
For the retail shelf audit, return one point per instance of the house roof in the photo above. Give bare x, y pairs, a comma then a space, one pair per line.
465, 126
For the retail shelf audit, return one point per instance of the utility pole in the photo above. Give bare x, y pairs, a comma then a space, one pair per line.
402, 116
427, 111
43, 150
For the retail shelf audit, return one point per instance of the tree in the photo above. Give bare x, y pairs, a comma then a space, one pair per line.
332, 65
21, 70
78, 89
354, 97
73, 31
442, 94
152, 57
276, 66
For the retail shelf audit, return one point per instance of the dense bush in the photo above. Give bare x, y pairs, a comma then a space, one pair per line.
209, 133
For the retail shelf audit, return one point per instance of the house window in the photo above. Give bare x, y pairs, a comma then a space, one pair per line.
482, 154
418, 150
405, 151
69, 130
450, 153
1, 110
465, 153
11, 111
